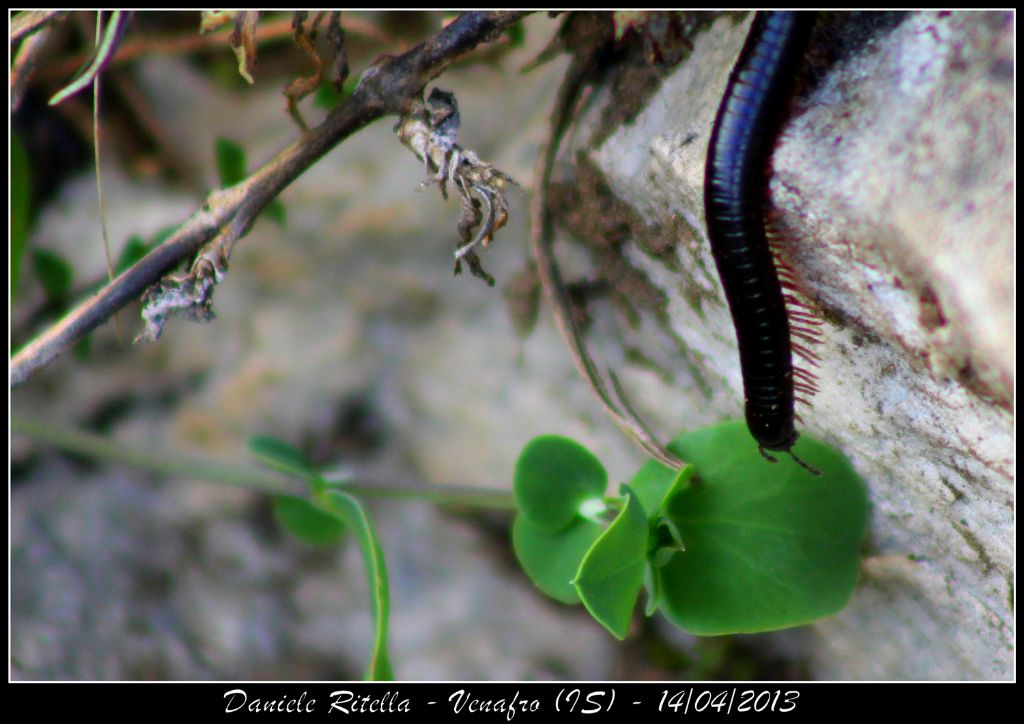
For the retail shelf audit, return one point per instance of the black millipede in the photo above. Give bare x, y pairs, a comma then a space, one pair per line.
767, 318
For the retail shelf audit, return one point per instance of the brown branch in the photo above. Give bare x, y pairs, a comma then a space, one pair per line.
31, 21
25, 62
389, 87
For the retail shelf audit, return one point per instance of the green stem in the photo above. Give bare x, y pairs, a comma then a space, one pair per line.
176, 465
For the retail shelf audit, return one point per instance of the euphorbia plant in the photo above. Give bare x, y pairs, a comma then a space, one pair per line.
729, 544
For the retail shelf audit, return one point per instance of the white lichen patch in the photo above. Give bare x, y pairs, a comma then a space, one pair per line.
189, 296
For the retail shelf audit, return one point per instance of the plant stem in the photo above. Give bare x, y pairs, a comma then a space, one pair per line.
177, 465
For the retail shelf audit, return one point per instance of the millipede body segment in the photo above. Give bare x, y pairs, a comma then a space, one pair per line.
767, 317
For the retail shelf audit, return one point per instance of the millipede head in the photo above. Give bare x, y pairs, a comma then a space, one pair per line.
772, 431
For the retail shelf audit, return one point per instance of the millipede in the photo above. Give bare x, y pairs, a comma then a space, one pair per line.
772, 323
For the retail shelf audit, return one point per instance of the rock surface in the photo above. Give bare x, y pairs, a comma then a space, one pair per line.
892, 188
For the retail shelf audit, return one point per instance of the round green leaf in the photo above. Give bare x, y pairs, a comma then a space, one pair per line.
767, 546
551, 560
612, 572
554, 477
306, 521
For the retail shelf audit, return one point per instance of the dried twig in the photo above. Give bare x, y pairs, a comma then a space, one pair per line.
25, 63
243, 41
31, 21
541, 233
337, 54
391, 86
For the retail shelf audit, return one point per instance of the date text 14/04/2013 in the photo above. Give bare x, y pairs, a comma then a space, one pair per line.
574, 700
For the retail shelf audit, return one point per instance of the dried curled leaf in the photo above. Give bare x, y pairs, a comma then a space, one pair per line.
429, 130
189, 296
243, 42
336, 55
210, 20
336, 43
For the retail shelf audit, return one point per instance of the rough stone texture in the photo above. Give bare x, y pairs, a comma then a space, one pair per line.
893, 190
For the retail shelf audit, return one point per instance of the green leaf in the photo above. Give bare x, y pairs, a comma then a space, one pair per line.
652, 585
231, 170
612, 572
555, 477
551, 560
327, 98
275, 211
134, 249
666, 541
306, 521
83, 350
280, 455
164, 234
54, 274
655, 484
230, 162
768, 546
324, 522
21, 206
351, 511
516, 34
